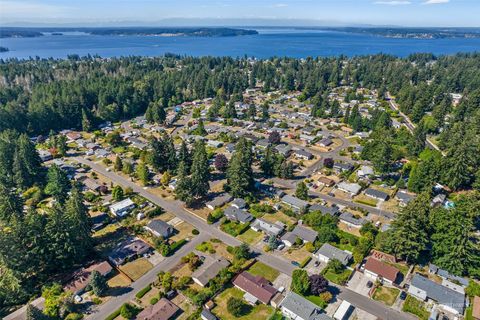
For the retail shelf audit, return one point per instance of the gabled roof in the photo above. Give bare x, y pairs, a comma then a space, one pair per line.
209, 269
294, 202
332, 252
164, 309
439, 293
220, 200
348, 217
302, 307
333, 211
81, 278
257, 286
382, 269
377, 194
160, 227
235, 214
305, 233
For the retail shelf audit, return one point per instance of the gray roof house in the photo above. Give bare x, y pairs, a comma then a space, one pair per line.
284, 149
376, 194
271, 229
306, 234
404, 197
352, 188
325, 142
160, 228
343, 167
209, 269
350, 220
328, 252
297, 307
239, 215
239, 203
219, 201
295, 203
303, 154
333, 211
448, 299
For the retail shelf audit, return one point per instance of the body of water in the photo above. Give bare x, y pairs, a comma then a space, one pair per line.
268, 43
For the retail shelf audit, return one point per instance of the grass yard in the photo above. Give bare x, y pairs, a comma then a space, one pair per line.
250, 236
260, 269
279, 216
119, 280
386, 295
415, 307
298, 255
258, 312
363, 199
340, 278
135, 269
184, 231
317, 300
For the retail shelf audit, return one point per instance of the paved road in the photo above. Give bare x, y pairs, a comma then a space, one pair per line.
176, 207
409, 124
292, 184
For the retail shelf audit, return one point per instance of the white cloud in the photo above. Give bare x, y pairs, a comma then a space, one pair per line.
394, 2
436, 1
280, 5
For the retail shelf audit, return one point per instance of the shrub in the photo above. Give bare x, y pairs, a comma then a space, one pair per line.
129, 311
153, 300
74, 316
177, 245
113, 315
143, 292
305, 261
96, 300
326, 296
195, 232
236, 307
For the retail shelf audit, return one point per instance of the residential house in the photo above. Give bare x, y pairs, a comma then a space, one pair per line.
325, 142
308, 130
45, 155
328, 252
350, 220
376, 194
160, 228
271, 229
295, 203
284, 149
127, 250
209, 269
296, 307
303, 154
307, 138
256, 288
219, 201
238, 215
91, 184
444, 274
262, 143
365, 171
304, 233
122, 208
214, 143
352, 188
333, 211
344, 311
343, 167
164, 309
239, 203
101, 153
326, 182
379, 270
207, 315
448, 299
404, 198
81, 278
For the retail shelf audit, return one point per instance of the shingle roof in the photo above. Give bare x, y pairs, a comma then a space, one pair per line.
257, 286
209, 269
236, 214
323, 209
376, 194
348, 217
161, 227
305, 233
164, 309
382, 269
294, 202
332, 252
439, 293
302, 307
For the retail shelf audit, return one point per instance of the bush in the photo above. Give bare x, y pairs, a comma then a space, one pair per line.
177, 245
305, 262
153, 300
97, 300
74, 316
214, 215
113, 315
128, 311
143, 292
236, 307
195, 232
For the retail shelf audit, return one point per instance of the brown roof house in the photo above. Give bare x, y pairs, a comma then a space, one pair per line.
378, 270
256, 288
209, 269
81, 277
164, 309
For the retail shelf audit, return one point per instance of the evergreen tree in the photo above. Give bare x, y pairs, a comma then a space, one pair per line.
300, 282
200, 170
183, 187
239, 172
117, 193
98, 284
117, 166
58, 183
265, 113
268, 162
127, 167
142, 173
185, 156
302, 191
86, 123
79, 222
10, 205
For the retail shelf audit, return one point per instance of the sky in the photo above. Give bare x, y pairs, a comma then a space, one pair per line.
441, 13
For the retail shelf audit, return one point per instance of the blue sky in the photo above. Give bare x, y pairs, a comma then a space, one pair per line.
307, 12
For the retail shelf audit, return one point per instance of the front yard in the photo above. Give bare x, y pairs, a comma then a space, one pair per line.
415, 307
135, 269
250, 236
386, 295
260, 269
257, 312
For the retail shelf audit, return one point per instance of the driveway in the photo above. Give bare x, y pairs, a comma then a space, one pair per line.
358, 283
283, 280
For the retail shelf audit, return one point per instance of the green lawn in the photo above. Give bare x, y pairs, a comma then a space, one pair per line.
340, 278
386, 295
250, 236
258, 312
317, 300
415, 307
260, 269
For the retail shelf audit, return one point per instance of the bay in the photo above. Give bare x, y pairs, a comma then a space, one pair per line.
269, 42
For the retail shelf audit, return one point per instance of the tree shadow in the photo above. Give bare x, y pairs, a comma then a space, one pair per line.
118, 291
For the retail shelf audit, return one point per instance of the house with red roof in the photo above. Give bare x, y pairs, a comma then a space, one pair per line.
256, 288
381, 271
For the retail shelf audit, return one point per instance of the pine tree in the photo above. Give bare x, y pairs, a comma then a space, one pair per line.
265, 113
58, 183
142, 173
200, 170
185, 156
10, 205
239, 172
117, 166
183, 187
79, 221
302, 191
86, 123
98, 284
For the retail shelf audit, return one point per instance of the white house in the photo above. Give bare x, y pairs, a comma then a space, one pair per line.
122, 208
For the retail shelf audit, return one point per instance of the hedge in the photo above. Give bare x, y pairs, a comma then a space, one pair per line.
143, 292
177, 245
305, 262
113, 315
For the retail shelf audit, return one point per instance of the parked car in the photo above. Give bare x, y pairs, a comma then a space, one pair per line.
403, 295
316, 263
369, 284
295, 263
281, 246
